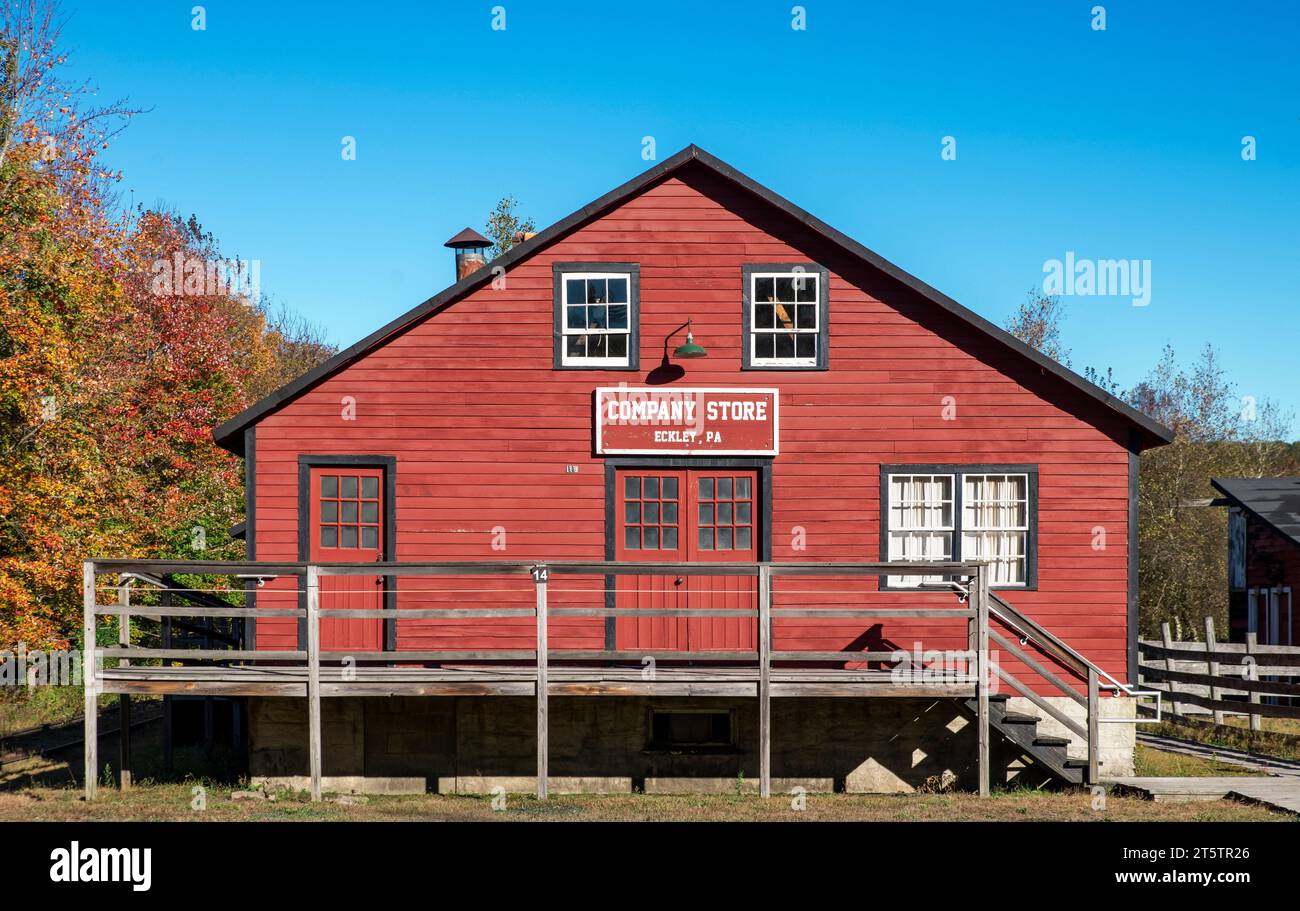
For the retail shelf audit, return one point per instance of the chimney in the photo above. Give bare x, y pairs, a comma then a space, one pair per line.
471, 252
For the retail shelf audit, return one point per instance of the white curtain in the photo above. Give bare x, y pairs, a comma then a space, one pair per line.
920, 521
995, 516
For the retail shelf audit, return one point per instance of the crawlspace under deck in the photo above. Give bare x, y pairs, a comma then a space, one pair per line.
477, 680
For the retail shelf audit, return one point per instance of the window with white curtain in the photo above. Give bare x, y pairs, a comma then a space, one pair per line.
968, 514
995, 524
920, 521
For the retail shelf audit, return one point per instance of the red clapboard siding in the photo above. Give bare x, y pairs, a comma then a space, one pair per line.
482, 429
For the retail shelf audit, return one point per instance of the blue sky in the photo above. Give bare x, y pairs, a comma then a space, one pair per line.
1117, 144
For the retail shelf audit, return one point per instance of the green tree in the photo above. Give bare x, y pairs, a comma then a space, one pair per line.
503, 224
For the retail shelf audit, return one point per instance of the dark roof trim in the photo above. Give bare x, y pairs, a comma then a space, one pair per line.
1282, 496
229, 435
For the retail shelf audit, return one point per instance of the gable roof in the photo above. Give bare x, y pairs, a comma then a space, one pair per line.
1274, 501
230, 434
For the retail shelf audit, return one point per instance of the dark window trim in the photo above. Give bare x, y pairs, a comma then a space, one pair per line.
633, 312
823, 314
389, 465
957, 470
763, 515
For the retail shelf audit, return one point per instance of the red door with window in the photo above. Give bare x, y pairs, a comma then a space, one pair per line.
686, 515
347, 521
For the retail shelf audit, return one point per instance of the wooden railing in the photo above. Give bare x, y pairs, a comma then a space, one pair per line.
1207, 675
969, 581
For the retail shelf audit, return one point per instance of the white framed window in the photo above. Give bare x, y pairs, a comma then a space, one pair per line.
921, 515
961, 513
596, 314
995, 524
785, 316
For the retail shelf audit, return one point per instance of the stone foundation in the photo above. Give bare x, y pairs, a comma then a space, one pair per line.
1117, 739
470, 745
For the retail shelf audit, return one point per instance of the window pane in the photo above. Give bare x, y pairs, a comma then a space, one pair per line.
805, 316
742, 488
370, 488
764, 289
329, 536
652, 513
785, 289
348, 487
724, 513
784, 345
596, 346
706, 539
329, 486
805, 289
650, 537
349, 512
618, 317
724, 539
347, 536
670, 489
764, 316
617, 290
596, 293
670, 514
598, 317
670, 538
743, 516
575, 291
724, 489
743, 538
806, 346
632, 538
576, 346
765, 346
632, 513
577, 317
706, 488
369, 512
706, 513
617, 345
632, 487
329, 511
370, 537
784, 316
651, 488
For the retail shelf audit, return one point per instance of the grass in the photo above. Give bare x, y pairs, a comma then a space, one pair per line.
22, 708
1154, 763
176, 802
1280, 737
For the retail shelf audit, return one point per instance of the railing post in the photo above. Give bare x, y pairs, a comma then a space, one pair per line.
1167, 640
1212, 666
313, 679
540, 578
123, 700
765, 680
90, 679
1094, 727
1252, 669
982, 674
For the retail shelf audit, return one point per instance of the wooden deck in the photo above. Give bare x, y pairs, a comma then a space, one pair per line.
480, 680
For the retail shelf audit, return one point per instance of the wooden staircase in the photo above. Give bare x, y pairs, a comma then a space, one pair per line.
1020, 731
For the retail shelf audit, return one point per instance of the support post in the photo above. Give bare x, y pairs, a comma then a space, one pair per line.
89, 679
765, 680
1212, 666
1094, 727
313, 678
1167, 640
981, 591
123, 700
540, 576
1252, 668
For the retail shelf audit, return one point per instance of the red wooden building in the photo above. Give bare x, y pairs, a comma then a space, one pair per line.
1263, 557
691, 368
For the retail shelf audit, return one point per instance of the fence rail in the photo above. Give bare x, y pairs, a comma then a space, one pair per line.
1223, 678
302, 582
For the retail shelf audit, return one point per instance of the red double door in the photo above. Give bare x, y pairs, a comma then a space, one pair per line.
686, 515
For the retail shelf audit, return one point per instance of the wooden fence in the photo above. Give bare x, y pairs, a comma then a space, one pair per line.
1223, 678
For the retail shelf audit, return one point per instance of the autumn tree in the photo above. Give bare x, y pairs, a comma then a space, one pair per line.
1037, 323
504, 224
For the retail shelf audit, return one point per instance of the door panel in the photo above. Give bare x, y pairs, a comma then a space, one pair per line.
347, 525
691, 515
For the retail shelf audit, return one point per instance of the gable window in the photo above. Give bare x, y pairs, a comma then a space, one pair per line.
596, 310
956, 513
785, 317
